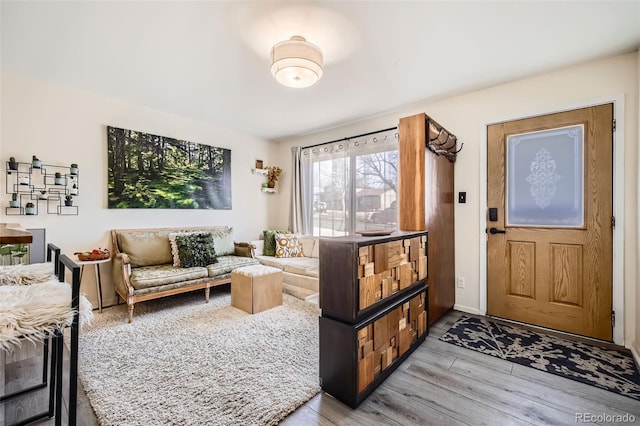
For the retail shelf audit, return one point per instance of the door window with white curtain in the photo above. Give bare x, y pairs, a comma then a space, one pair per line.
351, 185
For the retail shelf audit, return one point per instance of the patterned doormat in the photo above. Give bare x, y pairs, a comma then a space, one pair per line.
608, 369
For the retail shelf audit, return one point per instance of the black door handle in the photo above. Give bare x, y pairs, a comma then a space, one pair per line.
497, 231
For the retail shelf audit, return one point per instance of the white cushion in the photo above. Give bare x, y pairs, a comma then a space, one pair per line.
259, 247
223, 241
308, 243
316, 249
256, 270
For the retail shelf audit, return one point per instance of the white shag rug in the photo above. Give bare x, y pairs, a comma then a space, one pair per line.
186, 362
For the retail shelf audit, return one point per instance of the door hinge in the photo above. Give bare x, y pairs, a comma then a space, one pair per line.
613, 125
613, 221
613, 318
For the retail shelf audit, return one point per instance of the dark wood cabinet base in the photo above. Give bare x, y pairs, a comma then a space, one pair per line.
355, 359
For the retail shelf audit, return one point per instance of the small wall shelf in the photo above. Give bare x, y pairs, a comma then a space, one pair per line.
260, 171
269, 190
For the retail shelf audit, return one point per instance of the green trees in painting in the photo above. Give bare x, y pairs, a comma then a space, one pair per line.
149, 171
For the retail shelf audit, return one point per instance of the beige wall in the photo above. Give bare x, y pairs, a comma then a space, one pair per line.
467, 116
62, 126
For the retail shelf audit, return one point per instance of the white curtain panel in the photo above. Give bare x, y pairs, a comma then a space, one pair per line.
333, 174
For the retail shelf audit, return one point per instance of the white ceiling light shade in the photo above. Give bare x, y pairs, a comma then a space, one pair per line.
296, 62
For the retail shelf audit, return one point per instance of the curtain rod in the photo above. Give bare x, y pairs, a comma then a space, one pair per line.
351, 137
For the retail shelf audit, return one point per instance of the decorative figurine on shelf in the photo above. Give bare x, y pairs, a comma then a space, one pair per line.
58, 179
43, 194
30, 209
35, 163
13, 164
68, 201
14, 200
273, 173
73, 169
74, 190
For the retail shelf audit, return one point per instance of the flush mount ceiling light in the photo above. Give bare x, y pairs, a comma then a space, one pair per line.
296, 62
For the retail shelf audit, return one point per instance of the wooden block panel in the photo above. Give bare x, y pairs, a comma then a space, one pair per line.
367, 348
404, 339
422, 323
414, 310
422, 267
402, 324
392, 265
370, 290
381, 332
389, 337
362, 334
386, 287
385, 358
365, 372
369, 269
351, 300
394, 252
389, 357
414, 252
405, 276
381, 258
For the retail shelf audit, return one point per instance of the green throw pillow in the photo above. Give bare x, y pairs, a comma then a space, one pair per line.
270, 242
196, 249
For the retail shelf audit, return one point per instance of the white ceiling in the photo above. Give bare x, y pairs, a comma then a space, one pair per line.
210, 60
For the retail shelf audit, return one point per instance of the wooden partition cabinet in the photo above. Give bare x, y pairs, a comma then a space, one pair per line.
374, 301
426, 202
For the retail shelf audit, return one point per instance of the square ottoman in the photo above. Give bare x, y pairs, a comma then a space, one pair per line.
256, 288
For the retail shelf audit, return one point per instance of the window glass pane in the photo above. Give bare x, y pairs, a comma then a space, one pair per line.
545, 178
329, 199
350, 185
375, 191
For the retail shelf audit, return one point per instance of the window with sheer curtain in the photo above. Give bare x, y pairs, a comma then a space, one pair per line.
350, 185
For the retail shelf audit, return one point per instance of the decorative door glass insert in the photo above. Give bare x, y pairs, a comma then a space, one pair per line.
545, 178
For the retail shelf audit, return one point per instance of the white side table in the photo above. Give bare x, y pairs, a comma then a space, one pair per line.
96, 264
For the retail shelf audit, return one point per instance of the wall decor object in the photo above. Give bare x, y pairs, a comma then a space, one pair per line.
37, 187
157, 172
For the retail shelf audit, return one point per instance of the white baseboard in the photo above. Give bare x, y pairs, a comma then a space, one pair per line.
467, 309
635, 354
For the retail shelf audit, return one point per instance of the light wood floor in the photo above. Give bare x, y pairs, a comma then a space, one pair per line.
442, 384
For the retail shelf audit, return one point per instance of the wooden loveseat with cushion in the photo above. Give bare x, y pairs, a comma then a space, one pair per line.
157, 262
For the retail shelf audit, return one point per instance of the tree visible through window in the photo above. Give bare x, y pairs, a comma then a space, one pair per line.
354, 185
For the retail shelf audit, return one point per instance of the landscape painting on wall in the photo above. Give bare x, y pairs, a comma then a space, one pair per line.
156, 172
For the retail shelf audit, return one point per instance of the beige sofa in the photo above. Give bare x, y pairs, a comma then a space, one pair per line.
143, 263
299, 274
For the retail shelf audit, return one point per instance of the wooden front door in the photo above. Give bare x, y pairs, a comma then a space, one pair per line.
549, 224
